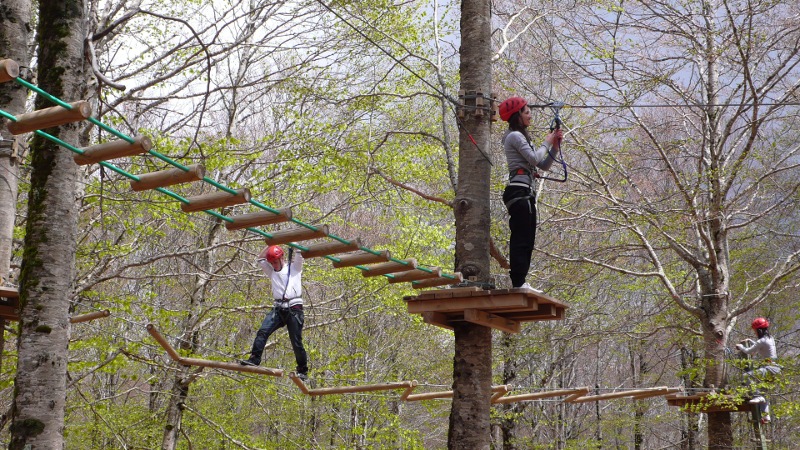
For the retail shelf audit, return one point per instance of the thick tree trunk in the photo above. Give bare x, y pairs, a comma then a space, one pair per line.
472, 374
48, 264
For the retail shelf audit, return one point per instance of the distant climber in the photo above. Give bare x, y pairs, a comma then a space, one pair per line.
764, 351
288, 307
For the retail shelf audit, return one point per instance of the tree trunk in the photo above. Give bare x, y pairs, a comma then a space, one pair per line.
472, 375
48, 264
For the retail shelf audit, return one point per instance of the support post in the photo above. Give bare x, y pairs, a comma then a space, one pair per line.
50, 117
112, 150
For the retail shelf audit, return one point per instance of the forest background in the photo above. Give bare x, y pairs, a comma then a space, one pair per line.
344, 113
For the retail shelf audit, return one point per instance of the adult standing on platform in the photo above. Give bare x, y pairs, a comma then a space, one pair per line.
519, 197
287, 311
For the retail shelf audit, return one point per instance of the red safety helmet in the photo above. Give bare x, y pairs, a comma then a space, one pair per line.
274, 253
760, 323
510, 106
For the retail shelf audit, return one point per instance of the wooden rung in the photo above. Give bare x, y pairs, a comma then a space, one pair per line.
9, 69
168, 177
258, 218
416, 274
297, 235
216, 200
540, 395
363, 388
479, 317
50, 117
359, 258
390, 267
9, 292
89, 316
331, 248
442, 281
113, 149
230, 366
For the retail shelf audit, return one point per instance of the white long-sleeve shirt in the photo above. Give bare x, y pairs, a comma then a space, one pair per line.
521, 155
763, 348
287, 282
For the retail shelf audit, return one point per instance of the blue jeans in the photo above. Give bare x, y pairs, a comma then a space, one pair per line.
293, 319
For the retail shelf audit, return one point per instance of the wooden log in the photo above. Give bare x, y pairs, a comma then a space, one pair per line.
331, 248
359, 258
449, 394
113, 149
230, 366
297, 381
500, 392
9, 312
613, 395
657, 392
50, 117
390, 267
215, 200
168, 177
163, 342
363, 388
297, 235
540, 395
434, 282
436, 318
416, 274
89, 316
9, 69
9, 292
408, 390
258, 218
479, 317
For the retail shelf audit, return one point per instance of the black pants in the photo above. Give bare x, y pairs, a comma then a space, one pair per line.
293, 319
523, 231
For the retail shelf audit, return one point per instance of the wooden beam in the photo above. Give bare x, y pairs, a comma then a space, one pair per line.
297, 235
504, 388
331, 248
359, 258
436, 318
168, 177
363, 388
215, 200
390, 267
50, 117
299, 383
485, 303
408, 390
416, 274
9, 312
9, 292
236, 367
500, 392
113, 149
540, 395
9, 69
258, 218
543, 312
89, 316
479, 317
657, 392
163, 342
614, 395
434, 282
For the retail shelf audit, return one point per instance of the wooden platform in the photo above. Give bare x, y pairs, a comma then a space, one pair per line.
699, 403
9, 303
502, 309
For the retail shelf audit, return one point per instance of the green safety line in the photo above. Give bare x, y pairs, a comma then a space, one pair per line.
168, 160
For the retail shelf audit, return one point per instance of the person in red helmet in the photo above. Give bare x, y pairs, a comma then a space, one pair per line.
523, 159
286, 280
763, 350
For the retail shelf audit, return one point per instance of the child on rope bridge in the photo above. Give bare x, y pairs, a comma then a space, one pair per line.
288, 308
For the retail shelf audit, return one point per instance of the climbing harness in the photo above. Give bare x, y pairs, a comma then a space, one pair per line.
555, 124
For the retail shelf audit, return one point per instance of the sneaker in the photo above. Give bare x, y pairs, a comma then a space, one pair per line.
302, 376
756, 400
248, 362
531, 288
765, 420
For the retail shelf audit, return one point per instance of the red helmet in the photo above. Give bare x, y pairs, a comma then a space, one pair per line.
510, 106
274, 253
759, 323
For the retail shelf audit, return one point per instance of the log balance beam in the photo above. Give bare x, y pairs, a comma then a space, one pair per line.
208, 363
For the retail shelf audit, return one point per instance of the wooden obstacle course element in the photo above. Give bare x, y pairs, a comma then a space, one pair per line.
500, 309
360, 258
297, 235
390, 267
9, 292
50, 117
351, 389
9, 303
331, 248
570, 393
258, 218
636, 394
113, 149
207, 363
89, 316
9, 69
215, 200
168, 177
504, 388
699, 403
435, 282
415, 274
